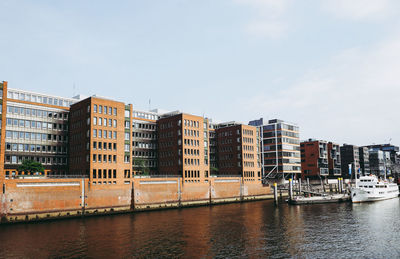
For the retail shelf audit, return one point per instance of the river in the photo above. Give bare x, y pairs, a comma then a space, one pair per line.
239, 230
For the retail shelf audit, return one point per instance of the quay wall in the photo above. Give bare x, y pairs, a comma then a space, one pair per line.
45, 198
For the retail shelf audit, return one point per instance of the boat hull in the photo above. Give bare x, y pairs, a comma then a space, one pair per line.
359, 195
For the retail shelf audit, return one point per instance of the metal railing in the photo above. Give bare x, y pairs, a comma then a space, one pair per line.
45, 176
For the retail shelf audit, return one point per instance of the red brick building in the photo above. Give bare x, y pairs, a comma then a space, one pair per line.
314, 159
183, 146
238, 151
100, 140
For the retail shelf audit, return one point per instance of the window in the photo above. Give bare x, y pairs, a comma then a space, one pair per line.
95, 133
115, 111
109, 110
109, 122
127, 136
126, 159
100, 109
114, 123
127, 113
100, 121
105, 110
114, 135
94, 120
95, 108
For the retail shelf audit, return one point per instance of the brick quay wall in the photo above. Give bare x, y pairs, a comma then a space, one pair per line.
45, 198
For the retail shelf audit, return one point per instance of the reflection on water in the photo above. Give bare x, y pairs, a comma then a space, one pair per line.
250, 230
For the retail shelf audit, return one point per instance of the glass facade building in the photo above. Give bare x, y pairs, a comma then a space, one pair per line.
280, 144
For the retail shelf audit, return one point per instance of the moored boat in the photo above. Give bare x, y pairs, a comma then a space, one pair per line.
370, 188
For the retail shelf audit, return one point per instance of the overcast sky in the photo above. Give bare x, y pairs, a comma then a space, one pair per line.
332, 67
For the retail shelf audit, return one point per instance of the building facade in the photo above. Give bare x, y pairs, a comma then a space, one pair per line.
364, 160
108, 142
100, 140
212, 137
314, 159
183, 146
280, 144
238, 151
350, 159
392, 149
34, 127
334, 160
144, 143
380, 162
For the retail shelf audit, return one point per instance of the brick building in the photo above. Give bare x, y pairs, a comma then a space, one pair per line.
183, 146
100, 140
314, 159
238, 151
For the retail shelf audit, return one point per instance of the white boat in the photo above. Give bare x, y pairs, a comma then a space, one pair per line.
369, 188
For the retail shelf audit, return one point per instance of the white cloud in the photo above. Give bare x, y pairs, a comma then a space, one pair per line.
354, 98
361, 9
268, 18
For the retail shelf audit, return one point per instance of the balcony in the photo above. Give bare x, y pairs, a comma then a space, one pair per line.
324, 171
337, 172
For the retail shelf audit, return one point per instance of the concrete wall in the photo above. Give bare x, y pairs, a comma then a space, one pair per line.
35, 199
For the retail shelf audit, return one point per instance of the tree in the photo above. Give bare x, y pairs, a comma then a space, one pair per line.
214, 170
31, 166
141, 165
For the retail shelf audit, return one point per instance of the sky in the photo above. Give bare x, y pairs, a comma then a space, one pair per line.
332, 66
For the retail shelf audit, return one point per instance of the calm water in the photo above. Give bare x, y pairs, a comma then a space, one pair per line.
248, 230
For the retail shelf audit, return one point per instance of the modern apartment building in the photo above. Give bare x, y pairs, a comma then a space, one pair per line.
350, 158
392, 149
100, 140
34, 126
334, 160
144, 142
364, 160
280, 149
380, 162
314, 159
212, 137
183, 146
238, 151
